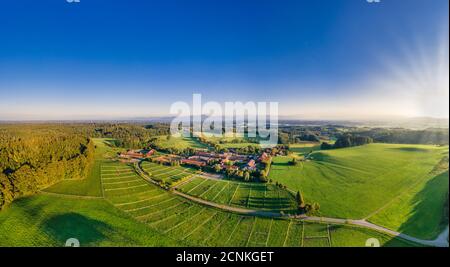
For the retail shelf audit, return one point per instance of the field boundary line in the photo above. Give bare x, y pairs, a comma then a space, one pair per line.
287, 233
115, 172
70, 195
149, 206
118, 177
265, 196
124, 182
217, 195
169, 217
200, 225
171, 177
168, 170
232, 197
196, 186
165, 172
303, 234
116, 169
101, 181
185, 181
248, 197
158, 211
234, 229
204, 192
138, 201
251, 232
184, 221
268, 234
329, 235
125, 188
215, 229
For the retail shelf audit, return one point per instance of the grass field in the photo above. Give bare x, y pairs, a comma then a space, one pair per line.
44, 220
238, 145
304, 147
247, 195
357, 182
133, 212
90, 186
419, 210
179, 143
168, 174
198, 225
237, 141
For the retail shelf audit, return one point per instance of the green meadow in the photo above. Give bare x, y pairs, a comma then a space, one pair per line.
418, 212
129, 211
45, 220
179, 143
304, 147
382, 180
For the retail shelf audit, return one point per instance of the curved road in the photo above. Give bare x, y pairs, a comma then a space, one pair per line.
440, 241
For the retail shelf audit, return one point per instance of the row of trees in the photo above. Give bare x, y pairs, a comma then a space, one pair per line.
35, 156
406, 136
307, 208
348, 141
126, 135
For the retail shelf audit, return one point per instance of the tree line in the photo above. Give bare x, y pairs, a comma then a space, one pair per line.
348, 140
435, 136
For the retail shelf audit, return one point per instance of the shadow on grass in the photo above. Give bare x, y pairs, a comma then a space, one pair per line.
281, 164
320, 156
428, 217
411, 149
73, 225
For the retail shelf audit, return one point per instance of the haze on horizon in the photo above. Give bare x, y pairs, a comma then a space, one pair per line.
319, 59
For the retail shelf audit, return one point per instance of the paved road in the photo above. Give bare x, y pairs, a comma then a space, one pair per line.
440, 241
228, 208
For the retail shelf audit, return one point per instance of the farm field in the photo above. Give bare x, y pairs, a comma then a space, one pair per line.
237, 141
129, 211
356, 182
246, 195
168, 174
198, 225
179, 143
237, 145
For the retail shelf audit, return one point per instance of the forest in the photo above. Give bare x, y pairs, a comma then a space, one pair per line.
33, 157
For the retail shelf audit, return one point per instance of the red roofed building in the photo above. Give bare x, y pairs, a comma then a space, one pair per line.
251, 164
132, 154
193, 162
264, 157
150, 153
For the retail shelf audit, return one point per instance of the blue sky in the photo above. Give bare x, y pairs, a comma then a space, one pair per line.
317, 58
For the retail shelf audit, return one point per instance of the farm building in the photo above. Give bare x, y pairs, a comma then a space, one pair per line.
251, 164
150, 153
264, 157
132, 154
192, 162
